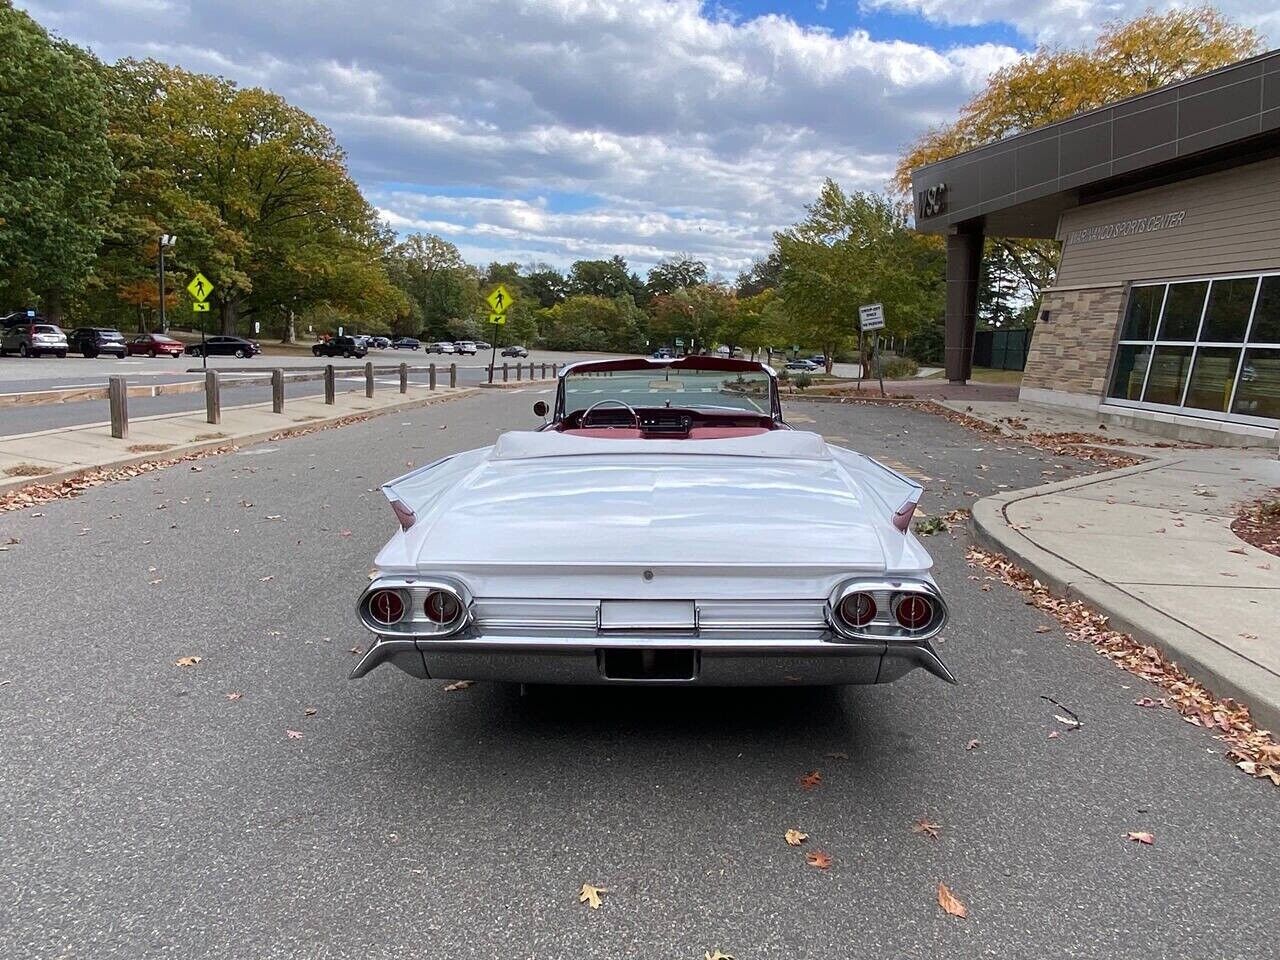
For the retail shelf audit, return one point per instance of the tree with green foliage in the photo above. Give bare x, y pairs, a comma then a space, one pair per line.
676, 273
56, 172
763, 275
445, 291
589, 322
853, 249
546, 284
604, 278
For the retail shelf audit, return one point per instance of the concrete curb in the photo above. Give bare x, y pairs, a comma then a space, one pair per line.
283, 432
512, 384
1225, 672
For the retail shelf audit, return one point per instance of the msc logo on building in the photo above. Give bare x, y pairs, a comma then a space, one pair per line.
931, 202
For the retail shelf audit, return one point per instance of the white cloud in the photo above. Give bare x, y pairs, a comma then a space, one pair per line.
1071, 20
684, 130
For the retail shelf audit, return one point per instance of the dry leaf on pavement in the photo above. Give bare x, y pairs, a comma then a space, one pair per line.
294, 734
233, 695
591, 895
458, 685
1140, 836
309, 712
818, 858
949, 902
973, 745
794, 837
811, 779
928, 829
187, 661
716, 955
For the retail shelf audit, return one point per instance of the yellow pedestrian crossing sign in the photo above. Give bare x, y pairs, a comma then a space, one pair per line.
500, 299
498, 318
200, 306
200, 287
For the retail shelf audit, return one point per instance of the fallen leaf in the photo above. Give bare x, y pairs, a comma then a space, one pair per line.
458, 685
187, 661
356, 651
1045, 629
266, 578
591, 895
794, 838
818, 858
973, 745
715, 955
309, 712
949, 902
1069, 721
1148, 702
344, 533
811, 779
294, 734
923, 826
1138, 836
233, 694
1053, 734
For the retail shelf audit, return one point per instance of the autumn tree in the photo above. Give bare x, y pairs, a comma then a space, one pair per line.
1054, 83
56, 173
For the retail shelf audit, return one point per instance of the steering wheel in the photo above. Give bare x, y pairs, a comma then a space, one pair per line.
586, 414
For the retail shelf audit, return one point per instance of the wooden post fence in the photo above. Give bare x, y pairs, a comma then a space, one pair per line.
277, 391
404, 378
212, 397
118, 394
328, 384
431, 377
368, 379
453, 374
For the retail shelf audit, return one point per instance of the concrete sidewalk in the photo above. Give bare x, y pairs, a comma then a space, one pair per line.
1151, 546
54, 455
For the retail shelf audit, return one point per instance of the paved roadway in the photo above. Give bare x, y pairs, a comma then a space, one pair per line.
47, 373
146, 814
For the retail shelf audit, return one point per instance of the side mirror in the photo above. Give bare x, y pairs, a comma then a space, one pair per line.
540, 408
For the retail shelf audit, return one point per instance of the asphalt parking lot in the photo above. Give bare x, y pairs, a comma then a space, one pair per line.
155, 810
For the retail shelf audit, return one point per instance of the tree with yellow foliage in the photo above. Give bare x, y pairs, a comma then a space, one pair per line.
1055, 83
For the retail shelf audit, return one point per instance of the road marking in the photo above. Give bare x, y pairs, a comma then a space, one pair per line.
902, 468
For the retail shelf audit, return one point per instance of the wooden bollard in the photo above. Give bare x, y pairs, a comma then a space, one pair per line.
368, 379
504, 371
212, 397
118, 394
431, 376
277, 391
404, 378
519, 372
328, 384
453, 374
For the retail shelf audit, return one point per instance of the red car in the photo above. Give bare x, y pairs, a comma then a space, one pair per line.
154, 344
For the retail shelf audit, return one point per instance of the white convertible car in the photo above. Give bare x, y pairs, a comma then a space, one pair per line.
665, 526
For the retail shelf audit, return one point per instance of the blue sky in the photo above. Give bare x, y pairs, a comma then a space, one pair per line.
554, 130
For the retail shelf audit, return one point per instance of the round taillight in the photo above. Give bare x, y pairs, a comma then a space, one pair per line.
913, 610
386, 607
858, 609
441, 607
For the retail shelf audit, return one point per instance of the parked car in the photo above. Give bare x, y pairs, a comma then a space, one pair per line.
340, 347
483, 345
224, 347
662, 353
802, 366
380, 342
534, 559
405, 343
820, 360
20, 316
33, 340
154, 345
441, 347
467, 347
514, 351
92, 341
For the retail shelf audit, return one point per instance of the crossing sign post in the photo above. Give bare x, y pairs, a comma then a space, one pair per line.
500, 301
200, 288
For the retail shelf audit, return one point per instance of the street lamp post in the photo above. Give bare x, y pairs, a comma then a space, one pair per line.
166, 240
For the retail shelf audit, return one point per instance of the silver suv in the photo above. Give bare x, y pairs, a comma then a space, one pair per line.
33, 339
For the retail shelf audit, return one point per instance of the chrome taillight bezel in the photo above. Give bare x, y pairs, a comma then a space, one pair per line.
887, 593
415, 622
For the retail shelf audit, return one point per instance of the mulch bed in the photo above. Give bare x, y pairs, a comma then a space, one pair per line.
1259, 523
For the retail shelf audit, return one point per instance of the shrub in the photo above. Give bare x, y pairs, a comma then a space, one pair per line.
899, 368
803, 380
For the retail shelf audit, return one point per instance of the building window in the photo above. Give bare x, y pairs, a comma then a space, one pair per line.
1207, 347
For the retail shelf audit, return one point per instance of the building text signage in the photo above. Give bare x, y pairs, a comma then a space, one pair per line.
931, 202
1127, 228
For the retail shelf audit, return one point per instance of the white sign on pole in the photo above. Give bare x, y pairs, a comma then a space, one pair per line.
871, 317
339, 331
257, 327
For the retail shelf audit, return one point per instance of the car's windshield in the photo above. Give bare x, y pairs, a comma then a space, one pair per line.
665, 387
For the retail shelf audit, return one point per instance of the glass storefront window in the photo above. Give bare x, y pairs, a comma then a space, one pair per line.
1196, 344
1143, 312
1212, 378
1258, 393
1129, 371
1182, 309
1227, 316
1266, 318
1169, 366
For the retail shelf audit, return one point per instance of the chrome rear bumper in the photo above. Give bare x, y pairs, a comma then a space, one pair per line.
723, 661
